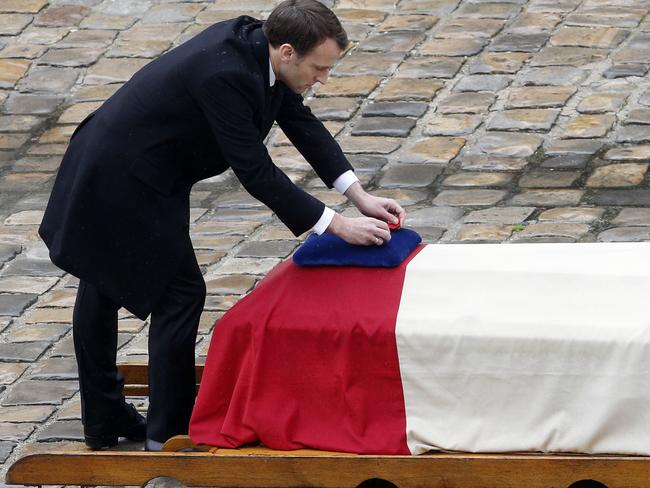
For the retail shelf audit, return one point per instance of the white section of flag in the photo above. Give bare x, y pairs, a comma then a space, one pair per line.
527, 347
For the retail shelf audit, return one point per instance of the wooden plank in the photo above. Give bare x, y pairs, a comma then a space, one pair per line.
137, 373
285, 469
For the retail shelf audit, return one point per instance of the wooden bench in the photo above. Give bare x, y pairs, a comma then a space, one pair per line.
262, 467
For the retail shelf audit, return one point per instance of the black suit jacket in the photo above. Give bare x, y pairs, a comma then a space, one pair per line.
119, 210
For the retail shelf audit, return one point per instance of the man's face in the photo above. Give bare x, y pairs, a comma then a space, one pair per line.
300, 73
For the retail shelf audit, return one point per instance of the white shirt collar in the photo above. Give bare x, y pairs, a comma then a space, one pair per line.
271, 74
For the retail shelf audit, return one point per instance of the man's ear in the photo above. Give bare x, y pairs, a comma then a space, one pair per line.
287, 52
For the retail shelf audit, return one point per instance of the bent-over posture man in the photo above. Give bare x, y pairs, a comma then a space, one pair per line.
118, 216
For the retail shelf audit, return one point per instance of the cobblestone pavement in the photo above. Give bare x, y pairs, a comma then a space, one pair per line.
491, 121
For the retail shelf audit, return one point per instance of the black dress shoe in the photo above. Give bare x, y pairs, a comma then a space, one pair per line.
129, 424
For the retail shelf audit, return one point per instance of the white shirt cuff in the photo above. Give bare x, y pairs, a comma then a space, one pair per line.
324, 221
343, 182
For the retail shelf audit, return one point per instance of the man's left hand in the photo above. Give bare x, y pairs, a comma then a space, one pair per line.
385, 209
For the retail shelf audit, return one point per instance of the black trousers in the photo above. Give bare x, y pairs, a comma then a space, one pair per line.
172, 337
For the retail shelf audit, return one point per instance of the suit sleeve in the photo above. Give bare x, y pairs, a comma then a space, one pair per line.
311, 138
229, 102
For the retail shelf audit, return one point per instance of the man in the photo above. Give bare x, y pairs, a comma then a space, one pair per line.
118, 216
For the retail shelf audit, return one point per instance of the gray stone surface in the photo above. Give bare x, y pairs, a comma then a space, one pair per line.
6, 447
556, 75
625, 70
509, 41
62, 430
22, 351
633, 217
55, 369
475, 83
267, 249
409, 175
553, 147
8, 251
36, 104
433, 216
566, 161
49, 79
15, 304
619, 198
395, 109
24, 266
384, 126
39, 392
625, 234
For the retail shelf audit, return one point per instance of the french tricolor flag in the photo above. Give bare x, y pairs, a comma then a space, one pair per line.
477, 348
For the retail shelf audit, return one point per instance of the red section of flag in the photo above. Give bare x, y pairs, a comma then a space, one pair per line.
308, 360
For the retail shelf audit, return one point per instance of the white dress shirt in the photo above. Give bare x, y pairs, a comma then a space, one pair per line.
341, 184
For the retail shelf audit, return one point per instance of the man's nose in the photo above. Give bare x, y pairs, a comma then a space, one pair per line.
323, 78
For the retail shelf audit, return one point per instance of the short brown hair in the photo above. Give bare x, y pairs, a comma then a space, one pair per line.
304, 24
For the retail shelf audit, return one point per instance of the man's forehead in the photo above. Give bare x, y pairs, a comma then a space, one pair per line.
325, 54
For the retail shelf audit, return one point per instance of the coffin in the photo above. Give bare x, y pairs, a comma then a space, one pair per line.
476, 348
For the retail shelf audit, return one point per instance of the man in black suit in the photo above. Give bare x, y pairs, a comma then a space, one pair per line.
118, 216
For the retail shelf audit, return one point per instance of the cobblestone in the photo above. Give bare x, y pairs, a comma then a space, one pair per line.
490, 121
62, 430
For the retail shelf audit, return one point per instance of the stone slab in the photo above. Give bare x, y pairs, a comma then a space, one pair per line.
539, 96
439, 216
637, 152
463, 46
482, 83
555, 75
49, 79
566, 161
409, 89
26, 284
508, 144
633, 217
477, 179
548, 179
493, 63
483, 233
499, 215
368, 63
15, 432
26, 413
524, 119
625, 234
395, 109
62, 430
548, 198
24, 352
519, 42
432, 150
452, 125
471, 198
384, 126
6, 448
14, 305
460, 103
10, 372
349, 86
588, 126
430, 67
369, 144
55, 369
618, 175
267, 249
576, 215
409, 175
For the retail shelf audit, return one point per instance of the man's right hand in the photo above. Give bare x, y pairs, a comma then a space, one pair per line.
366, 231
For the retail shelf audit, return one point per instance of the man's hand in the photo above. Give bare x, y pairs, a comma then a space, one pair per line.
365, 231
385, 209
